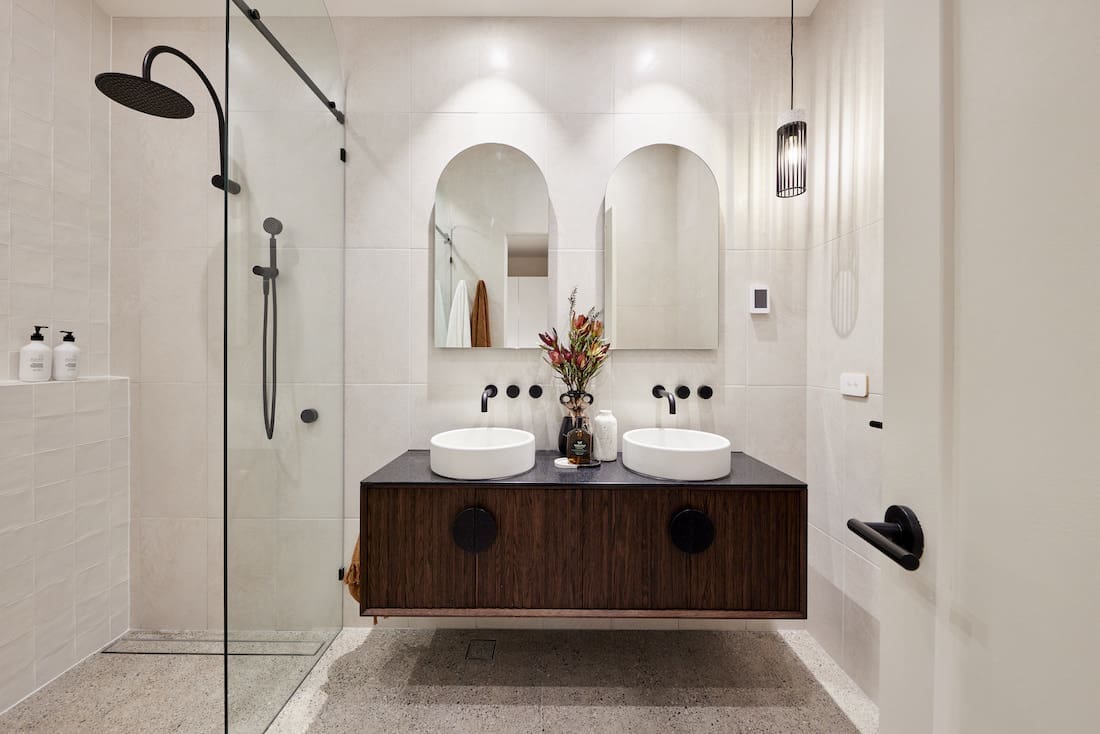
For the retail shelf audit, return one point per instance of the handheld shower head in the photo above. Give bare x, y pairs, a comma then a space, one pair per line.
273, 226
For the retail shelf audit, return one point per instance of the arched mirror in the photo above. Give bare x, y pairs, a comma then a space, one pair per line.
490, 250
661, 251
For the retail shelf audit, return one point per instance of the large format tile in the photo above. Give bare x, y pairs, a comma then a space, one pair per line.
376, 347
170, 573
171, 442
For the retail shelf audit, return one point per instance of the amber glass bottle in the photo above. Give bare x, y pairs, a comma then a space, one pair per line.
578, 444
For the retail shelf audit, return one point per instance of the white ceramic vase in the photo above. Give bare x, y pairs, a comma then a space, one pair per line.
605, 434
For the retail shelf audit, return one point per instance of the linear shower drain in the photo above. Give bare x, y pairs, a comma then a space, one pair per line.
481, 649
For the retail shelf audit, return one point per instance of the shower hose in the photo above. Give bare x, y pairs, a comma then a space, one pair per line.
269, 408
271, 313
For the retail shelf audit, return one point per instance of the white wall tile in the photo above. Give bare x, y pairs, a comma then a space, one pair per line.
171, 427
170, 573
581, 66
376, 431
376, 351
775, 420
375, 55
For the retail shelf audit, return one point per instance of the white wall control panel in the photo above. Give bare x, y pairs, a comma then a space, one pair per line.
760, 299
854, 384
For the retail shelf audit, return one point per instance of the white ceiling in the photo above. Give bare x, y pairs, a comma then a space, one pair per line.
503, 8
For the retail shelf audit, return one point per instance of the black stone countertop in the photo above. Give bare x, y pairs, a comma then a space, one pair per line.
413, 468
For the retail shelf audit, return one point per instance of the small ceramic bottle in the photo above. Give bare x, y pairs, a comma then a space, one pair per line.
578, 445
606, 434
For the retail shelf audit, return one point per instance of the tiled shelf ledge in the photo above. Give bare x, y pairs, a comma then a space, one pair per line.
64, 526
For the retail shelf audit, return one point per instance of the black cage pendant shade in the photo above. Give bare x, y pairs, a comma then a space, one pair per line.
790, 143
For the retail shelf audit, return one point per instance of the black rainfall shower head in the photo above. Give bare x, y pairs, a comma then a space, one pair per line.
144, 95
273, 225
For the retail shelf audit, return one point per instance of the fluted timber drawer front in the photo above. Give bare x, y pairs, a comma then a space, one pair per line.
752, 560
409, 556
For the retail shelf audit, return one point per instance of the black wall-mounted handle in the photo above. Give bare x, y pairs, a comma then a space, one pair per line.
899, 538
512, 391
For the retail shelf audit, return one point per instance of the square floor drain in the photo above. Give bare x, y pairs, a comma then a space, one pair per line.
481, 649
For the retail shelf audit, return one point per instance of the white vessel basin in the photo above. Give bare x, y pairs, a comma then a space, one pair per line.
482, 453
675, 453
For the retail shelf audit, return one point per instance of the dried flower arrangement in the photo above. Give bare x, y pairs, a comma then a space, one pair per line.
580, 359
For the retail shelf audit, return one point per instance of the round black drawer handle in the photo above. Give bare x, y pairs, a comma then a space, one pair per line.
692, 530
474, 529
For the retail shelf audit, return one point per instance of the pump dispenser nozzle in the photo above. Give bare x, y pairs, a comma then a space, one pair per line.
38, 336
68, 336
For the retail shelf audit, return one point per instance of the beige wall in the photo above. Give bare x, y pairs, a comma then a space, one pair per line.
577, 96
167, 285
844, 281
165, 296
54, 185
64, 447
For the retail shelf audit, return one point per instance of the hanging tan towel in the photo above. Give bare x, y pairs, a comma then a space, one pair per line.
479, 318
351, 576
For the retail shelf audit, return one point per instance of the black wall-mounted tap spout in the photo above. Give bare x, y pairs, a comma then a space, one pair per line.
659, 392
490, 391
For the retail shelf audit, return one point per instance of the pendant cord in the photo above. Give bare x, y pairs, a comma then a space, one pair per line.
792, 54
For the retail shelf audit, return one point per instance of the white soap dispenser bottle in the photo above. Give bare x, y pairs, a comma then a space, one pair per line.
66, 358
35, 359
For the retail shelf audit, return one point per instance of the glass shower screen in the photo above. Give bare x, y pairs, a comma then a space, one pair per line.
284, 361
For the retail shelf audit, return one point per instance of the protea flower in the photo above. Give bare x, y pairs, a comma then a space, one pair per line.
584, 352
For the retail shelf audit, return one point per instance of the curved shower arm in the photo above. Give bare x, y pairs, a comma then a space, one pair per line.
223, 142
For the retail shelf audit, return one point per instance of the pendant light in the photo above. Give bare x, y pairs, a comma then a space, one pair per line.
790, 152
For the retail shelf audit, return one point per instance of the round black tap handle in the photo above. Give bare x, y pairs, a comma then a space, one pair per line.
309, 415
706, 392
512, 391
535, 391
683, 392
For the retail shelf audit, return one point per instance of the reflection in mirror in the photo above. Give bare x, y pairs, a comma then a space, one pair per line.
490, 242
661, 251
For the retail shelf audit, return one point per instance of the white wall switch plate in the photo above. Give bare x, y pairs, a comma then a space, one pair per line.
760, 299
854, 384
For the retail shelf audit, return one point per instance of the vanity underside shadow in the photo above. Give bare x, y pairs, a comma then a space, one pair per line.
583, 543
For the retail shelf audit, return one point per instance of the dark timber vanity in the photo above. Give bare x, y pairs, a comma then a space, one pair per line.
599, 542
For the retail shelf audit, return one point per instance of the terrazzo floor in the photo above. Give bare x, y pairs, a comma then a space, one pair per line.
422, 680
